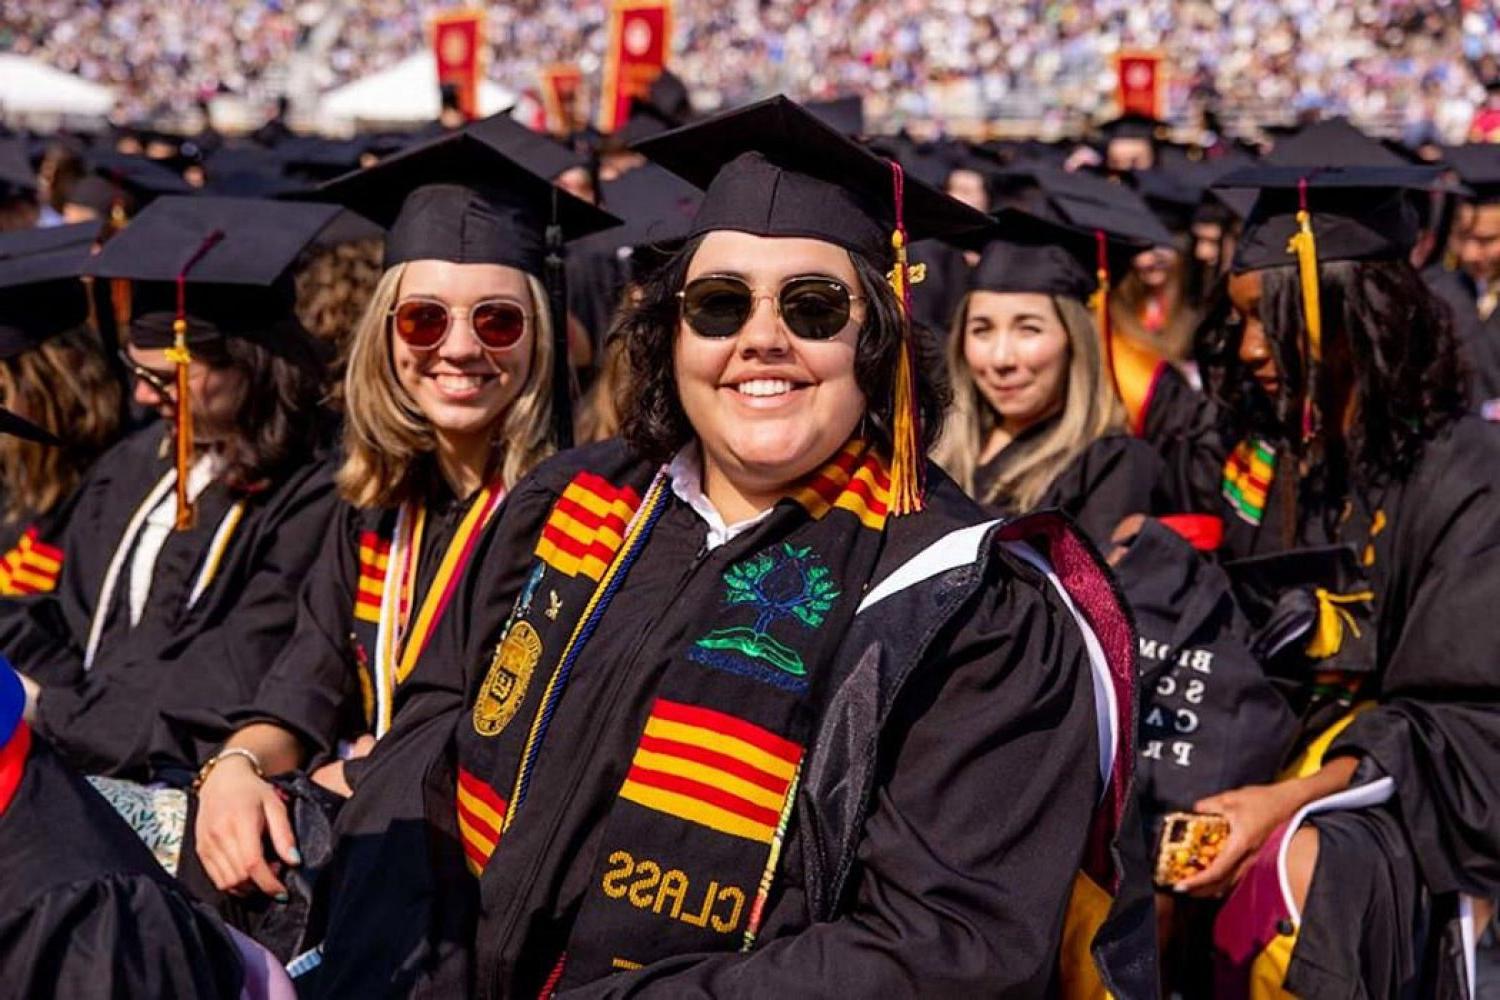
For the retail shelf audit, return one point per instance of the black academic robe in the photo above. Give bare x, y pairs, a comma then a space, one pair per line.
935, 299
187, 651
1425, 543
989, 701
1115, 476
1183, 425
1479, 340
85, 910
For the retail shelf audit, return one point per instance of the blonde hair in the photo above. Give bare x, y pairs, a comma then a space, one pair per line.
65, 385
1090, 410
385, 433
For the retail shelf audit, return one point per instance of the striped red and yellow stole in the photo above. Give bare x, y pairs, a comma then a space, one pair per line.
1137, 369
32, 567
587, 526
856, 480
712, 769
374, 555
1247, 478
481, 815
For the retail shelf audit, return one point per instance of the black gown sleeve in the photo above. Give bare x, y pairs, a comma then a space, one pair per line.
1114, 477
990, 774
1436, 729
1184, 426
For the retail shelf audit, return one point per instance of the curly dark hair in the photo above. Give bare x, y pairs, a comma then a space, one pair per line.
654, 423
279, 422
1386, 338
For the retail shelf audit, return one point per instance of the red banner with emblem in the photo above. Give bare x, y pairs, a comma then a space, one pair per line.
640, 38
1141, 83
563, 98
458, 43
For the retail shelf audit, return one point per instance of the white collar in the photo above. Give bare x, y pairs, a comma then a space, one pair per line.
686, 475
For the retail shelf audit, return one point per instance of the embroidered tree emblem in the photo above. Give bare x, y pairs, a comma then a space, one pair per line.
784, 583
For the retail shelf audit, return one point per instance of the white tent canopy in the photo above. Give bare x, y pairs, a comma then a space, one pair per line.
31, 87
406, 92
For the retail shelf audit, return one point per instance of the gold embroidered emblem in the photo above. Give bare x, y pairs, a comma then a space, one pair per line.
508, 677
554, 605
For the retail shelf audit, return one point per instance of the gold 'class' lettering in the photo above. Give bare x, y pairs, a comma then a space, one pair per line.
648, 885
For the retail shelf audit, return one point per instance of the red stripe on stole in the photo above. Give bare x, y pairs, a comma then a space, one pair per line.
13, 756
728, 725
481, 790
479, 823
704, 793
715, 760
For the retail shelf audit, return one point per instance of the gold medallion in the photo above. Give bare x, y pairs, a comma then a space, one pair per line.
508, 677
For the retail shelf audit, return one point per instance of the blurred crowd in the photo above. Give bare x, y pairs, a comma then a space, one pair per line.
1404, 67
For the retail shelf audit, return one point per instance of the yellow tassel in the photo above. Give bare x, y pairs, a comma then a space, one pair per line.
906, 483
1328, 637
180, 356
1306, 248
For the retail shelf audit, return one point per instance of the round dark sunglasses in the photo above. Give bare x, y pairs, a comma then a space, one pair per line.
814, 307
498, 324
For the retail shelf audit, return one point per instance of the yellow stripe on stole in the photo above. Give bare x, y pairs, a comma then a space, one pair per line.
730, 746
711, 776
698, 811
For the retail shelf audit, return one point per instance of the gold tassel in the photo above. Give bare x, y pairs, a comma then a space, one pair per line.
1099, 302
1306, 248
180, 356
906, 486
1328, 636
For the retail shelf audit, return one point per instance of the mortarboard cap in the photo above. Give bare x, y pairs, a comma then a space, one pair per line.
40, 291
1356, 213
773, 169
17, 176
1133, 125
537, 152
1478, 166
657, 206
138, 179
1093, 203
1023, 252
843, 114
233, 254
1333, 142
462, 199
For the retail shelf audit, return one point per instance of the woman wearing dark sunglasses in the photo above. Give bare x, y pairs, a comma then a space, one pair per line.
741, 724
448, 402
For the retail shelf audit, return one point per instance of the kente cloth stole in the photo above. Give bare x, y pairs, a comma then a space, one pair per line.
31, 567
691, 847
392, 624
1248, 473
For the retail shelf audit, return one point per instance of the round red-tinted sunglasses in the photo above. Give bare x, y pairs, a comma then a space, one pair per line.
423, 324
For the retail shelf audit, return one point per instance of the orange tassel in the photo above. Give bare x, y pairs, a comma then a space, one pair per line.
1305, 248
1099, 302
180, 356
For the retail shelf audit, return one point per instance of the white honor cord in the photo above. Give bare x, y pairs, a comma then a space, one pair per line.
117, 564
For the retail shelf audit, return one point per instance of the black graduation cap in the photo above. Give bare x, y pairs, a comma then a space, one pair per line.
461, 198
773, 169
233, 255
1478, 166
1133, 125
1356, 213
923, 161
17, 176
845, 114
139, 179
1023, 252
1334, 142
1092, 202
658, 207
95, 193
40, 291
537, 152
642, 121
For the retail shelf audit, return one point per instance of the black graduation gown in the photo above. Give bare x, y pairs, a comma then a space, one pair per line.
1433, 675
935, 299
1115, 476
181, 655
1000, 711
1478, 339
85, 910
1183, 425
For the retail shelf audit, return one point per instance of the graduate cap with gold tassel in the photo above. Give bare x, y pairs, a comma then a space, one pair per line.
203, 268
773, 168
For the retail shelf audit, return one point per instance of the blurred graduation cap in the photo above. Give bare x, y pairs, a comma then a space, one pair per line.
137, 181
17, 176
1023, 252
642, 121
773, 169
40, 291
843, 114
1334, 142
1090, 202
657, 206
205, 267
462, 198
1132, 125
247, 171
1478, 166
